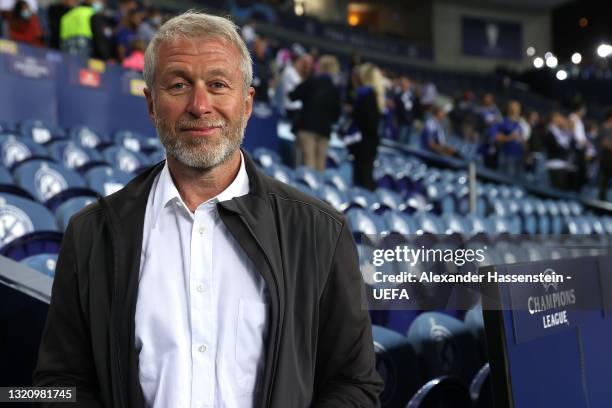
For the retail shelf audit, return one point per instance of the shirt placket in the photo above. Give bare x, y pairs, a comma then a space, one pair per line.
202, 308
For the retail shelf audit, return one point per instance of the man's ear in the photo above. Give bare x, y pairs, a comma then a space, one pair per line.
248, 102
149, 98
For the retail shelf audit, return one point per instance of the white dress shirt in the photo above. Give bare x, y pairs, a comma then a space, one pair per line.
201, 312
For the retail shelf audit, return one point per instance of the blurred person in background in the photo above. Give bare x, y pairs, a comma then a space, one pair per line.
23, 25
403, 102
558, 142
580, 143
263, 76
321, 107
366, 112
135, 61
150, 24
54, 16
103, 26
488, 114
433, 136
605, 156
128, 32
463, 116
76, 33
509, 136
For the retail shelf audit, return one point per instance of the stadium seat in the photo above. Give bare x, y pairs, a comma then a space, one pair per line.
389, 200
308, 176
40, 132
334, 178
74, 156
333, 197
444, 391
44, 179
398, 222
105, 180
70, 207
125, 160
397, 364
280, 172
43, 263
361, 198
16, 150
266, 157
363, 222
444, 346
19, 216
88, 138
481, 392
133, 141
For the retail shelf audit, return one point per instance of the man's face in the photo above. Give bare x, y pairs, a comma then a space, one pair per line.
198, 102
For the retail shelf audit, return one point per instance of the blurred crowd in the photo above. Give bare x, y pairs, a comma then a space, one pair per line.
85, 28
361, 101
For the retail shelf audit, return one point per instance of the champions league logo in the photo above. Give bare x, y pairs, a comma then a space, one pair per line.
49, 182
127, 162
438, 332
13, 223
74, 157
552, 303
14, 151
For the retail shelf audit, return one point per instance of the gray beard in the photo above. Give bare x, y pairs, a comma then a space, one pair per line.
201, 153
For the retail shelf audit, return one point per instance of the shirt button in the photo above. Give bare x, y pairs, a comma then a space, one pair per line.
201, 230
202, 348
200, 288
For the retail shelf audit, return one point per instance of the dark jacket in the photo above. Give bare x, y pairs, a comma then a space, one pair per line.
320, 104
367, 116
319, 350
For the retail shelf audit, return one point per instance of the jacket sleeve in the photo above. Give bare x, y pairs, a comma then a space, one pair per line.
65, 357
345, 373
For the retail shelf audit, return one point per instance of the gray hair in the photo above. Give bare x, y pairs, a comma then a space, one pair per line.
196, 25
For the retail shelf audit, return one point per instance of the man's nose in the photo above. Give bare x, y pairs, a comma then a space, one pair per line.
200, 103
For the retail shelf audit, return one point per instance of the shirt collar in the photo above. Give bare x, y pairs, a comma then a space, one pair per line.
166, 192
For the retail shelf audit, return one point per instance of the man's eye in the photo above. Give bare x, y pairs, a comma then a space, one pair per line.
178, 85
218, 85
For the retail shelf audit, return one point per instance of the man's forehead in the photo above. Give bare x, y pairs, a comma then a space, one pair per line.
196, 45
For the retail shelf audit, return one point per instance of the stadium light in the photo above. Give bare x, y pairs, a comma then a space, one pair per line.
530, 51
576, 58
551, 62
604, 50
538, 62
561, 75
548, 55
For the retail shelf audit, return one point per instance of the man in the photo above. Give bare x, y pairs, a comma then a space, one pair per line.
204, 282
404, 101
508, 135
433, 136
605, 156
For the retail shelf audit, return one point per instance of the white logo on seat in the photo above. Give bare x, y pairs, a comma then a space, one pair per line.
49, 182
13, 223
14, 151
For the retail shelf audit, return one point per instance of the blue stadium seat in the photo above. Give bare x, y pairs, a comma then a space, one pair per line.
455, 224
43, 263
398, 222
361, 198
133, 141
125, 160
73, 155
427, 222
105, 180
280, 172
334, 178
16, 150
5, 176
44, 179
389, 200
445, 346
266, 157
397, 364
40, 132
444, 391
481, 392
363, 222
86, 137
333, 197
26, 228
335, 157
70, 207
308, 176
474, 321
